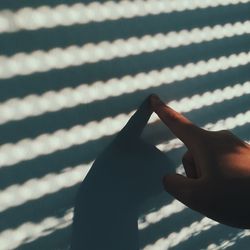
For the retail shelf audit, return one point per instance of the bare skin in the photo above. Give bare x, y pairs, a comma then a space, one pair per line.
217, 166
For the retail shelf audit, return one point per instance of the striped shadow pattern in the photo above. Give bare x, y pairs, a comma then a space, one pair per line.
71, 75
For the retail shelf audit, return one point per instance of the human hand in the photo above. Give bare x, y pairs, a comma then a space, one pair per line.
217, 165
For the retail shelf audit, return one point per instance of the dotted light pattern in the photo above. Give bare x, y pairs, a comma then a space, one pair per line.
166, 210
16, 195
33, 231
184, 234
228, 243
59, 58
62, 139
188, 104
29, 231
32, 189
51, 101
228, 123
79, 13
163, 213
69, 177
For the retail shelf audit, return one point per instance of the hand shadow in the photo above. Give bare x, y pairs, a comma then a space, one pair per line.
128, 172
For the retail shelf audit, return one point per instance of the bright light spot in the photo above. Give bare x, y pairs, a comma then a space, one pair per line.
79, 13
59, 58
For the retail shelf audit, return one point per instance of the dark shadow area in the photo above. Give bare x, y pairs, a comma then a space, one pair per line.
126, 173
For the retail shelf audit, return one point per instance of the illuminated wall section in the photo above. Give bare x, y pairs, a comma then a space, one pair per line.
71, 75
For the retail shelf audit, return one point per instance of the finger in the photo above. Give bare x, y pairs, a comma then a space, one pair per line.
183, 128
189, 165
181, 187
138, 121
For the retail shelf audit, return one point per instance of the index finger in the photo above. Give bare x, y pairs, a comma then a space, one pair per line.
181, 126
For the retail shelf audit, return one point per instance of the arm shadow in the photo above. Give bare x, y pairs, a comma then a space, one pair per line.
123, 177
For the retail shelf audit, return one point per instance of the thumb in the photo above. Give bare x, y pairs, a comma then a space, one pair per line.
181, 187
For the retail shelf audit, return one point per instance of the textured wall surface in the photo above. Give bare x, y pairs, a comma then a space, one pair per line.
71, 75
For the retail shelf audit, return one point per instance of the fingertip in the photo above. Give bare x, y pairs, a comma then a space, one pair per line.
153, 95
155, 101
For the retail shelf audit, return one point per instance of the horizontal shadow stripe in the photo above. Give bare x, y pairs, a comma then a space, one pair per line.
220, 111
66, 118
60, 160
42, 187
35, 211
29, 232
58, 240
164, 210
62, 139
34, 188
15, 5
184, 234
166, 226
75, 156
60, 58
51, 101
46, 39
218, 234
133, 65
65, 15
239, 241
